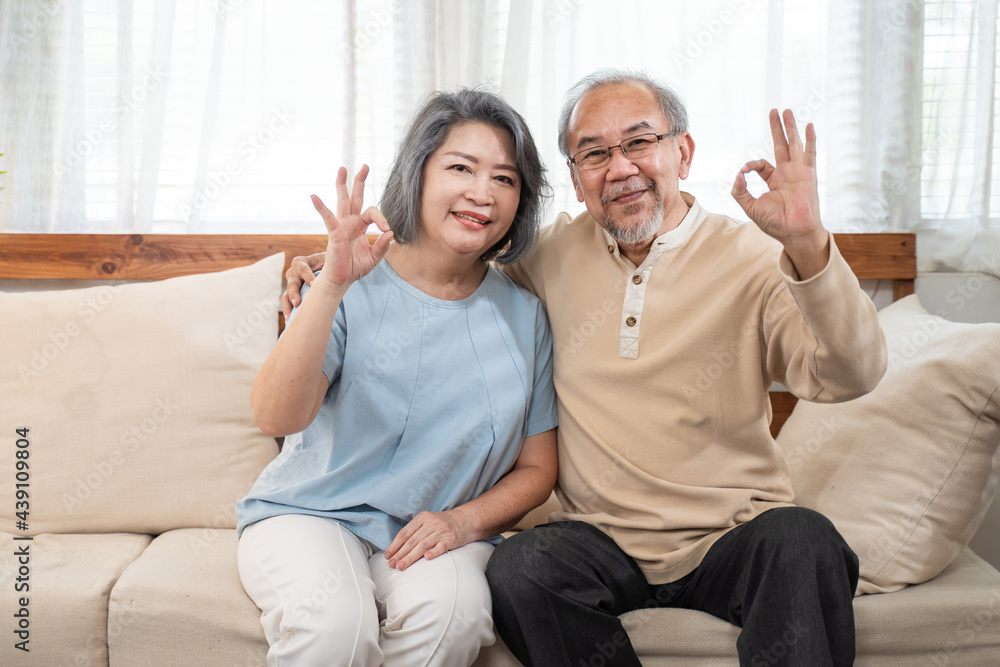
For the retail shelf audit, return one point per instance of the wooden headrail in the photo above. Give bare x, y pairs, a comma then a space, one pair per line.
157, 256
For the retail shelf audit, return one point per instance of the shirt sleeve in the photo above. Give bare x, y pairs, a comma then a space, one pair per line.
823, 337
542, 407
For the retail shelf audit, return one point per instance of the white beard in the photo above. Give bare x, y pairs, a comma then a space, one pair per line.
645, 229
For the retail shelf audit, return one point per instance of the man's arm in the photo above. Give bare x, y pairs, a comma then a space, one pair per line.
821, 331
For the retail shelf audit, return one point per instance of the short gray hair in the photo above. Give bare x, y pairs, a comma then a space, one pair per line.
670, 102
426, 132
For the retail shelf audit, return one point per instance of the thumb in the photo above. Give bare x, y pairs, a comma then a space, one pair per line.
741, 194
381, 245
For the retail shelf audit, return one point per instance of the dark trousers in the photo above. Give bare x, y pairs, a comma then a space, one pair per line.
787, 578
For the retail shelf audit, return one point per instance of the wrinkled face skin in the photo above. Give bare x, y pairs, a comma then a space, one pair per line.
471, 190
635, 199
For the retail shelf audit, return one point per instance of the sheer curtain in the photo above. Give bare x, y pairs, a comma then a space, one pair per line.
209, 116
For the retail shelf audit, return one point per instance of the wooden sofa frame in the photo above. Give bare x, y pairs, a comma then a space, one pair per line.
158, 256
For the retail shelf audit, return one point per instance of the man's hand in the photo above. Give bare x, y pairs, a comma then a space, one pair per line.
427, 535
300, 272
789, 210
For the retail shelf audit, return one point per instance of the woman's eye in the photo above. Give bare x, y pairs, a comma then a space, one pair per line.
506, 179
459, 167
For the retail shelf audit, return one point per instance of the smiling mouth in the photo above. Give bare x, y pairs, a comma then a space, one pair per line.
478, 220
627, 197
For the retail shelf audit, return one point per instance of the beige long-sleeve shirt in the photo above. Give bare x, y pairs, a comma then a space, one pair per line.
662, 374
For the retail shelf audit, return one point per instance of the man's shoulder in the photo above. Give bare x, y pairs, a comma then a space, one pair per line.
504, 287
741, 237
565, 232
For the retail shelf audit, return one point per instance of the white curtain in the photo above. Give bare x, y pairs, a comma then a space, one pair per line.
224, 115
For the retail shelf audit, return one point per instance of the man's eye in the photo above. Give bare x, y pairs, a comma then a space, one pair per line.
595, 154
637, 144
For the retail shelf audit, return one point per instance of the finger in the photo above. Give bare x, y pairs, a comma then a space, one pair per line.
374, 216
313, 263
396, 544
435, 551
381, 245
792, 132
741, 194
762, 167
329, 219
810, 152
286, 306
778, 136
358, 191
299, 272
343, 198
409, 553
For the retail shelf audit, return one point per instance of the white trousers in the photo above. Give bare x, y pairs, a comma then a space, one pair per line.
328, 597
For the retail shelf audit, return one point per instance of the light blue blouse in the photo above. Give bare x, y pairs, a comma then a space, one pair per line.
429, 403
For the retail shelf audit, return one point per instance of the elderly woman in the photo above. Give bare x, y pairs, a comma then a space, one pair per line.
414, 385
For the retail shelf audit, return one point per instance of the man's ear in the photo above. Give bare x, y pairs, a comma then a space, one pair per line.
685, 143
576, 183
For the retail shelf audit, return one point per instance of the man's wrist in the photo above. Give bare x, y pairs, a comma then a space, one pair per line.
809, 254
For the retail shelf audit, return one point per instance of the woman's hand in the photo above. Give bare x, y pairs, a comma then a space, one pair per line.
427, 535
349, 255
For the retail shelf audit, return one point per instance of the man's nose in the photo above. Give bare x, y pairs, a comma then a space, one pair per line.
620, 165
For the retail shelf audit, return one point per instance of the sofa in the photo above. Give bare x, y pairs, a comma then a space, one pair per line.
126, 438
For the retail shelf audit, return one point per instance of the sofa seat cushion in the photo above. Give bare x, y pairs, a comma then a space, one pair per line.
953, 619
182, 603
69, 578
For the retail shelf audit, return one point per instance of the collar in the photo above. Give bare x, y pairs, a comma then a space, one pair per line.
669, 240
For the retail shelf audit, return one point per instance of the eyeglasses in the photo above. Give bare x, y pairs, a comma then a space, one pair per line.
596, 157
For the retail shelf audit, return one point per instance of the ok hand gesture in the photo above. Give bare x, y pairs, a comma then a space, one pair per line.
789, 210
349, 256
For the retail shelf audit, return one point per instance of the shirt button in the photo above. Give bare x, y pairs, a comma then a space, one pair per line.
630, 321
636, 280
611, 249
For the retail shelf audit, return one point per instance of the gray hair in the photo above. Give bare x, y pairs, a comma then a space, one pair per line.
670, 102
401, 199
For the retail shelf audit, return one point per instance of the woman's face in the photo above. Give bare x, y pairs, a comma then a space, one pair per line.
471, 190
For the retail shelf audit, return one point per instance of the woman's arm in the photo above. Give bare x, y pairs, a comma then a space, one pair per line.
289, 388
525, 487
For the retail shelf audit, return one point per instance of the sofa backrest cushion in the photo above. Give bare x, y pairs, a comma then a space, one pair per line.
907, 472
133, 401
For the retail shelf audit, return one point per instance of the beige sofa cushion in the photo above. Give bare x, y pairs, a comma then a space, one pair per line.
69, 578
183, 604
136, 398
907, 472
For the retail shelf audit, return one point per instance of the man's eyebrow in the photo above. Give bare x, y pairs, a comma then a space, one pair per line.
474, 160
641, 125
629, 131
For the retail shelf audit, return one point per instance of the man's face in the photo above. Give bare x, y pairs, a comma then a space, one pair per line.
633, 198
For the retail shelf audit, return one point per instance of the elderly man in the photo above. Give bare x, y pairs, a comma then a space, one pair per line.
669, 324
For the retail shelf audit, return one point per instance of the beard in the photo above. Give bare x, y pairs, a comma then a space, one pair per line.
645, 228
